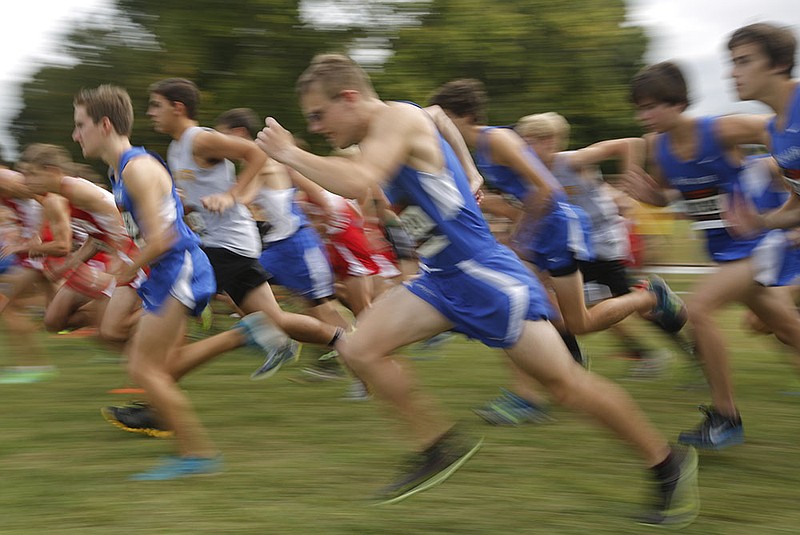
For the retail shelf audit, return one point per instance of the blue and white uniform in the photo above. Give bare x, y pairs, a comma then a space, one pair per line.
559, 238
776, 260
184, 271
706, 181
292, 252
477, 284
785, 143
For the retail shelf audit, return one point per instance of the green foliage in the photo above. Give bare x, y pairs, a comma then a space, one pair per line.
574, 57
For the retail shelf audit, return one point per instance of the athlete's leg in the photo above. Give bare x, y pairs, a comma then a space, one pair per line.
67, 310
298, 326
542, 354
155, 336
398, 319
580, 320
732, 282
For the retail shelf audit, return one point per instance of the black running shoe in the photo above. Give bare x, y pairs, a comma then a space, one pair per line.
677, 501
715, 432
429, 468
137, 417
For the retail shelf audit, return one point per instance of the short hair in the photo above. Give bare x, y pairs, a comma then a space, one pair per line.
334, 73
240, 118
778, 43
45, 155
108, 101
662, 82
464, 97
179, 90
542, 125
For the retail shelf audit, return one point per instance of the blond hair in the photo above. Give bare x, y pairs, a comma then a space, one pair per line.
543, 125
44, 155
334, 73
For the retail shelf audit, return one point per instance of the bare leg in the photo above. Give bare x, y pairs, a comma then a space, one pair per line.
542, 354
398, 319
150, 346
580, 320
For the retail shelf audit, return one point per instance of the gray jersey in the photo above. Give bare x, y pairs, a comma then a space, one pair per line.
233, 229
609, 233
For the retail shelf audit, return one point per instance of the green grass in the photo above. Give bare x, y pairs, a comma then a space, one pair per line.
298, 460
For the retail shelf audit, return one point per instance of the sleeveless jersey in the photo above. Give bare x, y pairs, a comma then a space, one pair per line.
282, 213
233, 229
439, 209
170, 210
609, 234
785, 144
705, 182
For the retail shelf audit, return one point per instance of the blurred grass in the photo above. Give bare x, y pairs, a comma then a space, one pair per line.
298, 460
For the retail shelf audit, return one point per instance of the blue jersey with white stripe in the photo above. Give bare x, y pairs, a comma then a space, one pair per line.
171, 208
785, 143
439, 210
705, 182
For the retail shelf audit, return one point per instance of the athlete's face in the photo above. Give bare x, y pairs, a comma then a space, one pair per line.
544, 147
329, 117
161, 113
657, 116
750, 71
87, 133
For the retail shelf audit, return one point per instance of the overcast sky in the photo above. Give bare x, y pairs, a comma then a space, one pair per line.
692, 32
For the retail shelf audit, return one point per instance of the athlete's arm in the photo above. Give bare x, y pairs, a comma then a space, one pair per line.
740, 129
210, 145
454, 138
384, 149
55, 210
616, 149
650, 188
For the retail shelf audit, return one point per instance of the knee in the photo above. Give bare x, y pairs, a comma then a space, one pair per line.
112, 333
53, 324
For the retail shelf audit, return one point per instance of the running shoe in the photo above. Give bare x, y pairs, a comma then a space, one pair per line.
138, 417
278, 348
178, 467
715, 432
425, 470
511, 409
670, 311
677, 501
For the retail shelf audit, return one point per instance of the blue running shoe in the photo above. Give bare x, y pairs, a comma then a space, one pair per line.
511, 409
178, 467
278, 348
670, 312
715, 432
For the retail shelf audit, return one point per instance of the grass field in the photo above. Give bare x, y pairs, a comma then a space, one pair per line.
298, 460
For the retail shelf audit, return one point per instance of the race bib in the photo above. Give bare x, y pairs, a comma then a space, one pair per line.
705, 207
132, 228
421, 227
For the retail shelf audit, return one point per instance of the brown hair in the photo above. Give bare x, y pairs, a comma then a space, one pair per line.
240, 118
662, 82
464, 97
179, 90
778, 43
334, 73
44, 155
108, 101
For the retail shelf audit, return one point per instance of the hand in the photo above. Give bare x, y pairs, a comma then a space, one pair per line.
637, 183
275, 140
741, 216
479, 194
219, 202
